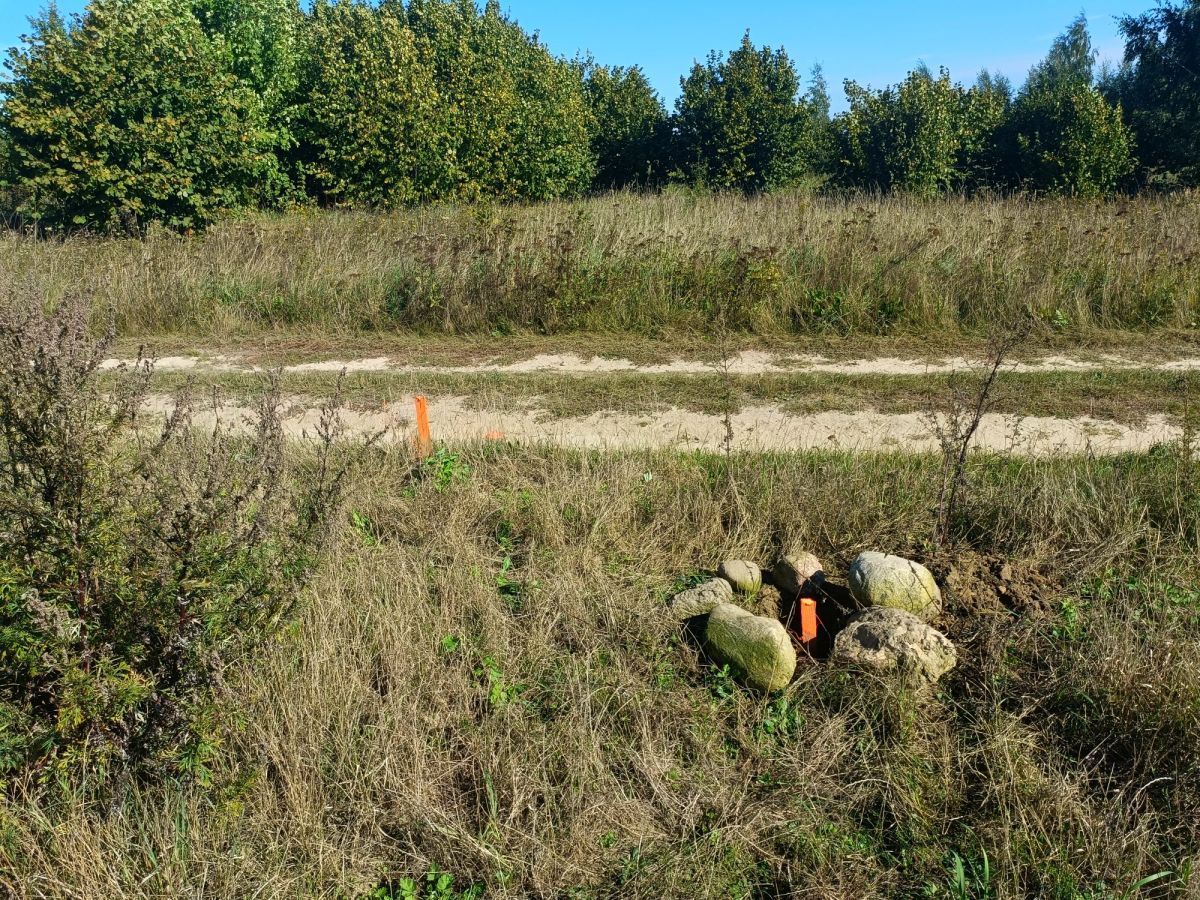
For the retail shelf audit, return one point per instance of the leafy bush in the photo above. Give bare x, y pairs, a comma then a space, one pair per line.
128, 115
136, 561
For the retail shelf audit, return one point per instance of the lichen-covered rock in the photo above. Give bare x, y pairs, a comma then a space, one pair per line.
892, 582
743, 576
700, 600
793, 571
758, 650
894, 641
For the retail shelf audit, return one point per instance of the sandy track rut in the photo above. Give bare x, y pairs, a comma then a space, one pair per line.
758, 428
749, 362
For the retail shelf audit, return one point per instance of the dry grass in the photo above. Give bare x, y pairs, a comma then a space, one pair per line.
775, 265
537, 728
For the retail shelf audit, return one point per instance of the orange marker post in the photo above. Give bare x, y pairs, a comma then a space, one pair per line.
808, 620
424, 436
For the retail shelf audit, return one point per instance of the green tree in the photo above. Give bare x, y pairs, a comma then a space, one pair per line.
742, 123
1159, 88
128, 115
516, 116
986, 108
1071, 61
370, 128
1065, 137
262, 40
629, 126
912, 137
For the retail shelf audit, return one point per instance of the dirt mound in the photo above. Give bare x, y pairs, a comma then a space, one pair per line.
979, 585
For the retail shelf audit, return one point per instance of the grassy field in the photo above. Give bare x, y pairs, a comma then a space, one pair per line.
484, 686
681, 263
483, 693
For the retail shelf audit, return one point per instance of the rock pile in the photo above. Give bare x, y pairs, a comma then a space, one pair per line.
886, 630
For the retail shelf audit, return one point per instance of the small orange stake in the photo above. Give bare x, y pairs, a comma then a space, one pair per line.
808, 620
494, 436
424, 436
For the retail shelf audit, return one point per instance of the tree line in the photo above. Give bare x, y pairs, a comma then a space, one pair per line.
176, 111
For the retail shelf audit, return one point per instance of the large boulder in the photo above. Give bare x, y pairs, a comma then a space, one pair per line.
794, 571
757, 649
893, 582
743, 576
893, 641
700, 600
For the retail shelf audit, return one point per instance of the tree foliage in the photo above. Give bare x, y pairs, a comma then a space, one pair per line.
175, 111
629, 126
905, 138
516, 117
1159, 89
129, 115
1067, 137
371, 131
262, 41
742, 123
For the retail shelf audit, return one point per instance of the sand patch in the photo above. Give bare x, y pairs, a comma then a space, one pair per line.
749, 362
757, 428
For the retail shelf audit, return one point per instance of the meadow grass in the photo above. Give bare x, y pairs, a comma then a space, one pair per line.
484, 687
681, 262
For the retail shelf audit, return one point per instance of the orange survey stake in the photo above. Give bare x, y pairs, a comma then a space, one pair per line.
424, 436
808, 620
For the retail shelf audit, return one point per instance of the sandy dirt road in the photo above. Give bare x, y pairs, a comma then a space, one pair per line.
767, 427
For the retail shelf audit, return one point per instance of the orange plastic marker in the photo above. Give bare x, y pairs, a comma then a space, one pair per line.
808, 620
424, 436
494, 436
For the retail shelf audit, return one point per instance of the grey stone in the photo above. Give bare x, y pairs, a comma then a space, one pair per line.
793, 571
700, 600
894, 641
745, 577
757, 649
892, 582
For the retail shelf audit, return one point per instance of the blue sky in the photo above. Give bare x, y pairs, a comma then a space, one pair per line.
871, 41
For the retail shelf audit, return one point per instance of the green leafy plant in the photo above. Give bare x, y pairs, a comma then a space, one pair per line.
445, 468
970, 880
435, 885
501, 692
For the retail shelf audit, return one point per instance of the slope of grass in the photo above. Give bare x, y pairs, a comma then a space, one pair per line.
772, 265
483, 686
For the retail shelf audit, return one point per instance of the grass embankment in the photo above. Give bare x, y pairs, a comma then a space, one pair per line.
774, 266
482, 685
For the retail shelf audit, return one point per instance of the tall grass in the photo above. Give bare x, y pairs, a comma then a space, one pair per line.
773, 265
484, 686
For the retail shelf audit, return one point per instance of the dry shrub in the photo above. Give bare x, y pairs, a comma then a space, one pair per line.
137, 560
